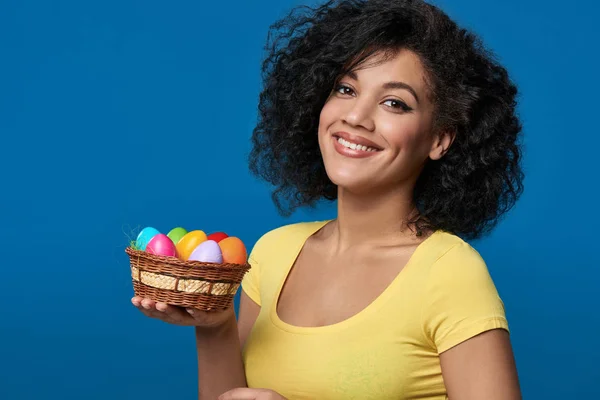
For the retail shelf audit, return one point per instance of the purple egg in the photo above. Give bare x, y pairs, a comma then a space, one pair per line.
161, 245
207, 251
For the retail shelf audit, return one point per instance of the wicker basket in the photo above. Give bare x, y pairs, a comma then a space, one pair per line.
194, 284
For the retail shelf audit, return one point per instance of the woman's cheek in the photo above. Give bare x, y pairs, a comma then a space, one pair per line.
398, 133
331, 111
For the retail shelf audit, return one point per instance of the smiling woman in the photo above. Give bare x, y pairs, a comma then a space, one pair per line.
380, 101
465, 91
407, 121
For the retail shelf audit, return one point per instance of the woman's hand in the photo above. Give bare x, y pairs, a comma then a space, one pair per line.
181, 316
251, 394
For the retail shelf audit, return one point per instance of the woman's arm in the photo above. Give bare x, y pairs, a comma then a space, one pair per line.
248, 313
482, 367
219, 350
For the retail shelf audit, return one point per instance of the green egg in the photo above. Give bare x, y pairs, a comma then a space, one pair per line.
176, 234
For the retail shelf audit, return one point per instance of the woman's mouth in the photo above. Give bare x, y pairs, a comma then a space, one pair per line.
353, 150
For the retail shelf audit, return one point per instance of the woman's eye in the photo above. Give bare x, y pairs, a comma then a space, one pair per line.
392, 103
342, 89
398, 105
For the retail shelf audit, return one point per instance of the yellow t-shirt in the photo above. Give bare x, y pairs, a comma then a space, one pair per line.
389, 350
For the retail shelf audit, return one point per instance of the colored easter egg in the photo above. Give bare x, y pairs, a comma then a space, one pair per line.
189, 242
144, 237
217, 236
176, 234
233, 250
161, 245
207, 251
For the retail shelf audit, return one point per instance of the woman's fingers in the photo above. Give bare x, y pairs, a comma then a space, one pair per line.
148, 304
175, 314
162, 311
183, 316
240, 394
137, 301
250, 394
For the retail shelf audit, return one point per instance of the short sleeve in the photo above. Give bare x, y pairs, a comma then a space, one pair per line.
251, 280
258, 260
461, 299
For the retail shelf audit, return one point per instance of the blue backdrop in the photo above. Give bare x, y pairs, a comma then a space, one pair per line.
116, 115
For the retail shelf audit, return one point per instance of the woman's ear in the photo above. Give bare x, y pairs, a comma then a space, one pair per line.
441, 143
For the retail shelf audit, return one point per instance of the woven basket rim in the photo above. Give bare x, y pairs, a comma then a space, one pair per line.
176, 261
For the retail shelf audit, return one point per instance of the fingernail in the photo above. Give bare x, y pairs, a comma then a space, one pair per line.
161, 307
190, 311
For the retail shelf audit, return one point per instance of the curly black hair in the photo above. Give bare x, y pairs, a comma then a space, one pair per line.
467, 190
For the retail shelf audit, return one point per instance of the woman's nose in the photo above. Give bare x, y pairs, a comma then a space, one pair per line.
360, 115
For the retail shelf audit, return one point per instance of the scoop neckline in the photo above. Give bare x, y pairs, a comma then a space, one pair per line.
372, 307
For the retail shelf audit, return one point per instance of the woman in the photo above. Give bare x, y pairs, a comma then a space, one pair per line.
405, 119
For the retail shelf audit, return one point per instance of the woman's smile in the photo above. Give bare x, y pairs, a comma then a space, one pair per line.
354, 146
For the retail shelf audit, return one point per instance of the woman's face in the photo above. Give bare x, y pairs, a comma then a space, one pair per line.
375, 130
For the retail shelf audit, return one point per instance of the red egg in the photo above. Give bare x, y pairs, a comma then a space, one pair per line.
161, 245
217, 236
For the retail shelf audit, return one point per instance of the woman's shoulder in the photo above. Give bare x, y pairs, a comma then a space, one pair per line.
286, 236
293, 229
286, 232
445, 245
460, 298
452, 259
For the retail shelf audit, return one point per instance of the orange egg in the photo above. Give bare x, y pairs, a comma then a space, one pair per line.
233, 250
188, 243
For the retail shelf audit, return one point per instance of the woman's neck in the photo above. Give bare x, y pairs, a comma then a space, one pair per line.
376, 220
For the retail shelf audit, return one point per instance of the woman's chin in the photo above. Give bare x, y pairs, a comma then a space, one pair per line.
352, 183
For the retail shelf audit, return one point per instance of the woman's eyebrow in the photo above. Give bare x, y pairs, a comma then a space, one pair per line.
392, 85
401, 85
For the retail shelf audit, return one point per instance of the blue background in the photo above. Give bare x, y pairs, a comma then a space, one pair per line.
116, 115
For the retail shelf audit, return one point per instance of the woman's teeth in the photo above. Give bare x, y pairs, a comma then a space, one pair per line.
354, 146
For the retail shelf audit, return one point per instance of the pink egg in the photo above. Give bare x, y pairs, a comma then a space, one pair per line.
161, 245
207, 251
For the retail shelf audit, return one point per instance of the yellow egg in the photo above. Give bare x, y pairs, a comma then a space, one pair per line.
188, 243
